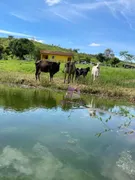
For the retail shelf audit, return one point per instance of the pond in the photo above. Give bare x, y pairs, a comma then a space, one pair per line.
45, 137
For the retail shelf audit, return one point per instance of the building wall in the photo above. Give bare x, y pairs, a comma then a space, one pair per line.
56, 58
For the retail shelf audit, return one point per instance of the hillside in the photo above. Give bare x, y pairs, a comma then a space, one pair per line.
5, 43
78, 56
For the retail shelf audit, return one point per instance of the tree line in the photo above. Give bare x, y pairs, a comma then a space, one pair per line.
109, 57
22, 48
25, 49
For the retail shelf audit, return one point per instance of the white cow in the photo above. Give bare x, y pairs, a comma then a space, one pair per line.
95, 71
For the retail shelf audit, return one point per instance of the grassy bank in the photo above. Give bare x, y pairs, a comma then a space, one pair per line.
115, 82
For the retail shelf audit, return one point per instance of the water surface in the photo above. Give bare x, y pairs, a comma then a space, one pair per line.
45, 137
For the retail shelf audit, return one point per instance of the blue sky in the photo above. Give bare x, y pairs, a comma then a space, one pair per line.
90, 25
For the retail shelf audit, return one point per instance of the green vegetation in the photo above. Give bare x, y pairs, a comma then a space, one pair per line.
115, 82
11, 48
112, 81
127, 57
21, 47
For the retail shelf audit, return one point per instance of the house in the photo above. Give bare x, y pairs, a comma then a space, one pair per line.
56, 56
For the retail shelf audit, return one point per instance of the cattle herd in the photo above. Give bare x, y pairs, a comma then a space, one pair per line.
70, 70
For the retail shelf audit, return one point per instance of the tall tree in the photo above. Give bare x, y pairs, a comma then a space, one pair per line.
127, 57
36, 53
21, 47
114, 61
1, 51
101, 57
76, 50
108, 53
88, 59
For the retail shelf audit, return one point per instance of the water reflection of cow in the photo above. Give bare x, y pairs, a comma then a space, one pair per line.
91, 109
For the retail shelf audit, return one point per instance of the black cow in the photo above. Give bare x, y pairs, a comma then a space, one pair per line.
46, 66
82, 72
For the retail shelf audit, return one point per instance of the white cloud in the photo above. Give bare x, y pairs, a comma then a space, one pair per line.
125, 9
120, 9
68, 12
94, 45
62, 16
30, 37
36, 40
52, 2
88, 6
14, 33
23, 17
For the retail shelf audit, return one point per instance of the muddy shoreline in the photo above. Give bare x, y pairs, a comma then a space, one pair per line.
129, 99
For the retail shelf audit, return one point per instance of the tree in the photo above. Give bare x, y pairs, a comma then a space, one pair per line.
1, 50
21, 47
101, 57
108, 53
114, 61
88, 59
7, 51
36, 54
127, 57
10, 37
76, 50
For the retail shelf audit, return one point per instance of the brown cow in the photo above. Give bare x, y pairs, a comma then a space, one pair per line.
46, 66
70, 70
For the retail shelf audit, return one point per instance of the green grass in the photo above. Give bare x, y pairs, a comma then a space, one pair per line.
17, 66
112, 81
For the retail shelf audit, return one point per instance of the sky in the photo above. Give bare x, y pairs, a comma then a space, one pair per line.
88, 25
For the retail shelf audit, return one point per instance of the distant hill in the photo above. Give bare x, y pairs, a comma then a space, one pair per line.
78, 56
5, 43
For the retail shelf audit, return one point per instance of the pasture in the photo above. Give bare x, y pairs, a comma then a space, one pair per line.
112, 81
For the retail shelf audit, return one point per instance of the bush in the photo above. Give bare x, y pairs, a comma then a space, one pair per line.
21, 47
114, 61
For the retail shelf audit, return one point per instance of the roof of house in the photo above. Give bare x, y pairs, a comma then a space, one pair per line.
56, 53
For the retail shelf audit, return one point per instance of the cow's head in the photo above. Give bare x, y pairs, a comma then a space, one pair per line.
88, 68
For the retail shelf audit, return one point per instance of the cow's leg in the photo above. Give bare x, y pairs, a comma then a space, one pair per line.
69, 78
50, 77
94, 77
76, 77
65, 77
37, 74
73, 77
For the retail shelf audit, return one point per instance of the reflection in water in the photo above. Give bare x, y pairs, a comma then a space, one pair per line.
38, 140
20, 165
91, 109
126, 126
126, 164
21, 100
